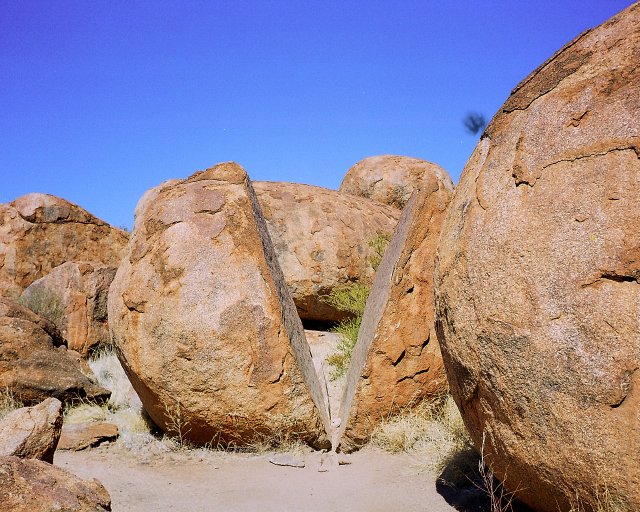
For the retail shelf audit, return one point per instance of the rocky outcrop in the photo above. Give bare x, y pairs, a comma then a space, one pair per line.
34, 362
203, 322
391, 179
78, 436
537, 278
74, 297
29, 485
38, 232
323, 240
396, 362
32, 432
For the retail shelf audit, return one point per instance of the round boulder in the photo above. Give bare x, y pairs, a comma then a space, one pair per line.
203, 323
538, 278
323, 240
391, 179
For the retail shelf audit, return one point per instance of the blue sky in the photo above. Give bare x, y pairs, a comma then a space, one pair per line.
102, 100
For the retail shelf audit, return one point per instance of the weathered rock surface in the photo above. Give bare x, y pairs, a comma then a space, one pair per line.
396, 363
537, 277
74, 297
38, 232
29, 485
32, 432
203, 322
78, 436
391, 179
322, 240
34, 362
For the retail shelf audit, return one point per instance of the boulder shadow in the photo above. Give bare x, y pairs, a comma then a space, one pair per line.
463, 487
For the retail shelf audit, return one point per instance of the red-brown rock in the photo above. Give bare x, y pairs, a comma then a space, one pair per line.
203, 322
34, 362
38, 232
322, 240
74, 297
391, 179
30, 485
537, 278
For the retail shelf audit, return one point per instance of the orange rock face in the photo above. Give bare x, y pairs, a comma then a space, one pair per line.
39, 232
396, 362
203, 322
74, 297
537, 277
391, 179
322, 240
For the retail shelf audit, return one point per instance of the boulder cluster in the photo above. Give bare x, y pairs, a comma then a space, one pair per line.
517, 291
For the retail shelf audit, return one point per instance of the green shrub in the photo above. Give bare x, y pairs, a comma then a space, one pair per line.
341, 358
352, 299
379, 244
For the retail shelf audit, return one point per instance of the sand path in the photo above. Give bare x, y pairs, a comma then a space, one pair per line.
374, 481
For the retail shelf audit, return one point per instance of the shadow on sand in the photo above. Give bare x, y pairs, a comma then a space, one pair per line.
462, 486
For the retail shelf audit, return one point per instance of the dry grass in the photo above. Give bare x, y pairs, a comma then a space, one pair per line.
606, 501
8, 402
434, 430
123, 408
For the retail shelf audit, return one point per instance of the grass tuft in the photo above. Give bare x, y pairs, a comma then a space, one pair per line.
8, 402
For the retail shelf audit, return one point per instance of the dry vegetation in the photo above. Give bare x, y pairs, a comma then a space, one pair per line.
8, 402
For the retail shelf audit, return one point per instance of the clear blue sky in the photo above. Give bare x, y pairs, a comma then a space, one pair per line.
101, 100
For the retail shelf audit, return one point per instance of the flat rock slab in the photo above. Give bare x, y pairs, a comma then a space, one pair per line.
78, 436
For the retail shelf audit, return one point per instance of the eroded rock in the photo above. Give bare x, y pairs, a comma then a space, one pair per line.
74, 297
78, 436
38, 232
34, 362
29, 485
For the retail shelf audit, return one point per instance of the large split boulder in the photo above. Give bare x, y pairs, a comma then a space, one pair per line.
323, 240
74, 297
30, 485
38, 232
538, 278
32, 432
203, 322
35, 363
396, 362
391, 179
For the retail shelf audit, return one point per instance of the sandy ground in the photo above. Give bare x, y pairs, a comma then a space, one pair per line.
217, 481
